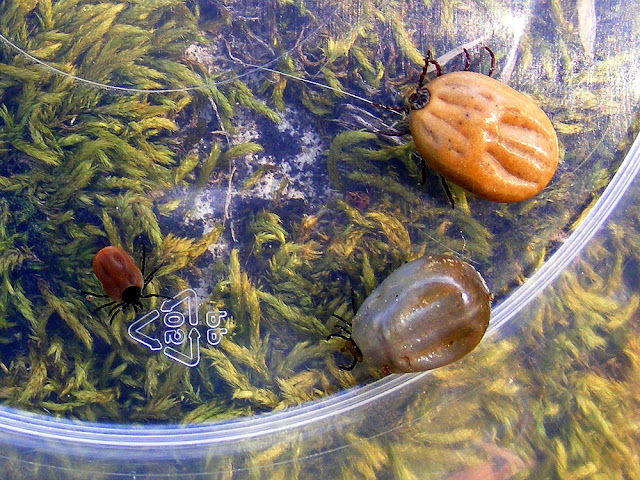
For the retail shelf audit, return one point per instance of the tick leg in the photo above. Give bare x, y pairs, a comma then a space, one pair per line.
493, 61
342, 329
424, 70
443, 181
447, 190
388, 133
103, 306
338, 335
114, 311
467, 60
393, 134
388, 107
350, 366
348, 349
154, 295
346, 322
151, 275
428, 60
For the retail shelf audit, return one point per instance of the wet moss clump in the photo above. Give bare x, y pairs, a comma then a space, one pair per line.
175, 126
90, 159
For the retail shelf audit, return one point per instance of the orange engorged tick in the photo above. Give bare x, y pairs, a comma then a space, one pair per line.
120, 278
123, 282
483, 135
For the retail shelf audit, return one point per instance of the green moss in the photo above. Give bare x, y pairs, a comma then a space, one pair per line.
83, 166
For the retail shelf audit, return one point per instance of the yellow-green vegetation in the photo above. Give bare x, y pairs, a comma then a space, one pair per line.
554, 397
84, 166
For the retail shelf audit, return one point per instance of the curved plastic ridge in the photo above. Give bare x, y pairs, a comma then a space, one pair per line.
55, 434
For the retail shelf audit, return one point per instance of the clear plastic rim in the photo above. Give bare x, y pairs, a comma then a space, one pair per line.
160, 437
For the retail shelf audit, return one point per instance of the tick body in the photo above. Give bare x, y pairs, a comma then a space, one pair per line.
484, 136
123, 282
121, 279
428, 313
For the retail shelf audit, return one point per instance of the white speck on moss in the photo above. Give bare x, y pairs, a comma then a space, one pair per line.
303, 172
297, 173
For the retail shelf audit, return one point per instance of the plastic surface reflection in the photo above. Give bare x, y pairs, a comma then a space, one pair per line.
275, 198
411, 420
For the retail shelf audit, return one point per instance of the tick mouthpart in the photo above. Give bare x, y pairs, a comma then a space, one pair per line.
419, 99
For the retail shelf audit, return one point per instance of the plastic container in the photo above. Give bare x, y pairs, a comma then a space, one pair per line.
544, 395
